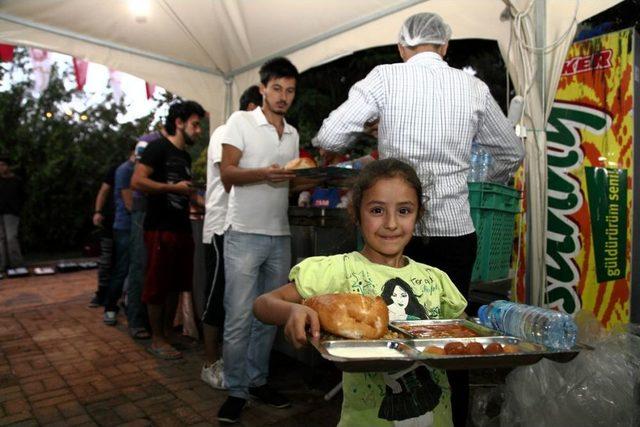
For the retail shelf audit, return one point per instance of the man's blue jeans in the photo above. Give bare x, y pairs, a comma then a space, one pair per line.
136, 310
120, 270
254, 264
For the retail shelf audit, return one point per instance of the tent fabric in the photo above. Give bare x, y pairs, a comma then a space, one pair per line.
198, 48
210, 50
192, 47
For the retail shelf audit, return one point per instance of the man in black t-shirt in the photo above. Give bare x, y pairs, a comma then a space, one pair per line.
164, 173
103, 218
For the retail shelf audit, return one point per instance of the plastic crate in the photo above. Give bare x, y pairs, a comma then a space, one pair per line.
493, 210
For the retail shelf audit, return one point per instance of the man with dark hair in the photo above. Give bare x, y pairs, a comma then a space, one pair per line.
257, 241
103, 219
123, 199
251, 95
164, 173
137, 316
213, 237
11, 200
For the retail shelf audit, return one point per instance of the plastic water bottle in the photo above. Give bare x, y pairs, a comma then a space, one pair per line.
484, 165
479, 164
474, 163
540, 325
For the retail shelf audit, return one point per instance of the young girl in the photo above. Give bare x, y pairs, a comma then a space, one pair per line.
386, 204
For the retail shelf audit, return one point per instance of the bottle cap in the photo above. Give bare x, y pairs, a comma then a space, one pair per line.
482, 314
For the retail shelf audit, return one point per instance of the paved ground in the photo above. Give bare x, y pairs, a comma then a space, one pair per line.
59, 365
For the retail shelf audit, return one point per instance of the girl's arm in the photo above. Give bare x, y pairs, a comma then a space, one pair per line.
283, 306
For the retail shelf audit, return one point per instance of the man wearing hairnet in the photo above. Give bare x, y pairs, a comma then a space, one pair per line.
429, 116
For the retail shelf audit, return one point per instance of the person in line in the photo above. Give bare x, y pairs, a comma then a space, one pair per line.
123, 198
164, 173
257, 241
386, 204
137, 316
429, 115
103, 219
11, 201
216, 198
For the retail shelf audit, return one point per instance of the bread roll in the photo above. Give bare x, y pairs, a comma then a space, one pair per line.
301, 163
351, 315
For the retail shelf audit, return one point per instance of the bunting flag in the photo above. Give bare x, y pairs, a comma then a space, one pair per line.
115, 81
80, 68
41, 69
151, 88
6, 52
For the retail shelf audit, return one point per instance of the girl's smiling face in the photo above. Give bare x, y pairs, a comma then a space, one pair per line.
388, 215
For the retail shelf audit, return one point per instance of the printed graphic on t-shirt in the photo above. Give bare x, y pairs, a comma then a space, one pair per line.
402, 302
410, 398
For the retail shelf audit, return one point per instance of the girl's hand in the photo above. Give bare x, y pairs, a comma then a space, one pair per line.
295, 328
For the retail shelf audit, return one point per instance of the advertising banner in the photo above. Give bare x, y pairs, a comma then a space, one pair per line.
590, 155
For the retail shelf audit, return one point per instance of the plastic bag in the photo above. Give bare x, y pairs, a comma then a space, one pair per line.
600, 387
485, 407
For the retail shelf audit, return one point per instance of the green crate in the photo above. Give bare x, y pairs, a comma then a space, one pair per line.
493, 210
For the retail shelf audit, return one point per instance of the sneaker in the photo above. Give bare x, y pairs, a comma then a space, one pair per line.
268, 395
109, 318
95, 302
230, 410
214, 375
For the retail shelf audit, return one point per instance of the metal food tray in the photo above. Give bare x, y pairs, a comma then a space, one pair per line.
481, 330
311, 172
401, 353
403, 359
529, 353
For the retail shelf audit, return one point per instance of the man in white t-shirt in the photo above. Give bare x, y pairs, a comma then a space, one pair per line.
213, 237
257, 258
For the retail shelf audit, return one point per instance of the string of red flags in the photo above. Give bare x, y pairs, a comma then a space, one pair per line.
80, 68
151, 88
41, 63
6, 52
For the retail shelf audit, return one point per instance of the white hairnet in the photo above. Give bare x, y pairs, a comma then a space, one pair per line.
424, 28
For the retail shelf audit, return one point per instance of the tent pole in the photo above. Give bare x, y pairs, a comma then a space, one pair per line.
536, 283
228, 94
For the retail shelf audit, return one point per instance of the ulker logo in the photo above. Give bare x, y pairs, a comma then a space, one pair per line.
581, 64
564, 155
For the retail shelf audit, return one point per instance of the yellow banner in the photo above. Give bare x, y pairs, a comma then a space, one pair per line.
590, 175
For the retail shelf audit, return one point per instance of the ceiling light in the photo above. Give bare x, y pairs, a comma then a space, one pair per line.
140, 9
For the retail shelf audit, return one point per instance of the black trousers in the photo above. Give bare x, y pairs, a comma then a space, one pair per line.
213, 314
455, 256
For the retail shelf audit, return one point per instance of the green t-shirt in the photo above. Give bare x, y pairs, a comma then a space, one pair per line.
415, 291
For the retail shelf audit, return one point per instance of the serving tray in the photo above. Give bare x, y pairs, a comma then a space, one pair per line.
389, 355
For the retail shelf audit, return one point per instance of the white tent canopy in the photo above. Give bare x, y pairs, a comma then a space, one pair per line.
196, 47
210, 50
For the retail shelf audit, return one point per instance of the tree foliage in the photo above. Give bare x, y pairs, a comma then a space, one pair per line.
61, 158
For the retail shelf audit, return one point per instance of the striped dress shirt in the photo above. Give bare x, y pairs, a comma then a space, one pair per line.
429, 115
